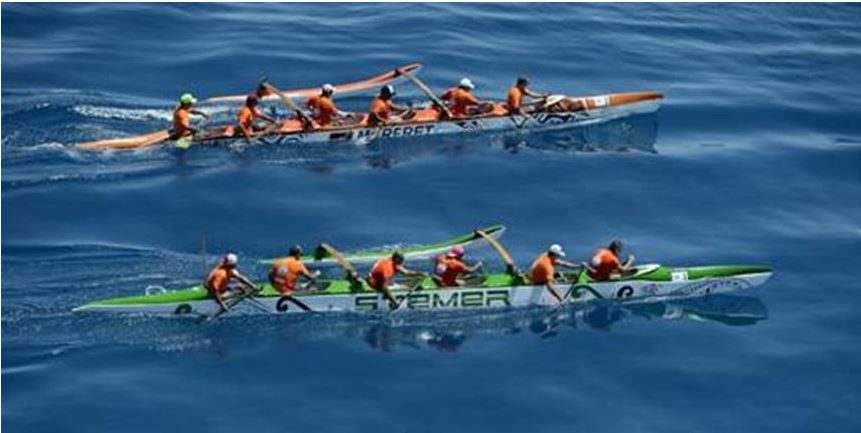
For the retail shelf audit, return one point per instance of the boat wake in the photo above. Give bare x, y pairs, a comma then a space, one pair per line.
41, 128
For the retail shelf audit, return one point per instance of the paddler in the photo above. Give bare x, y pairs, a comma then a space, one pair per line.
450, 267
543, 270
517, 93
323, 108
605, 263
382, 108
217, 283
247, 116
285, 272
263, 90
182, 117
460, 99
382, 275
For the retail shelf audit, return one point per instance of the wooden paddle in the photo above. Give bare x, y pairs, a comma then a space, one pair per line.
511, 267
428, 92
306, 119
352, 275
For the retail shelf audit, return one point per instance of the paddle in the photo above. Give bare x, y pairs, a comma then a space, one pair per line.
352, 275
306, 120
511, 267
428, 92
416, 286
245, 294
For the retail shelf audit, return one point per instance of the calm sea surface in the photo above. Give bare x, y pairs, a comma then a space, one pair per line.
755, 157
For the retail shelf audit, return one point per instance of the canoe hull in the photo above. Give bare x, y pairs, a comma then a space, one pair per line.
651, 282
601, 108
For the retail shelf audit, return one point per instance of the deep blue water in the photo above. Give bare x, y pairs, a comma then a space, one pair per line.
755, 157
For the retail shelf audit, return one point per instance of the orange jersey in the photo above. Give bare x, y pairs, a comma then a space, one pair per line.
323, 109
451, 269
246, 117
181, 121
604, 262
382, 273
460, 100
542, 270
285, 272
218, 279
515, 99
381, 108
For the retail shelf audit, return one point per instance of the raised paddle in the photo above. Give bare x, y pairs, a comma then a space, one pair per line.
427, 91
352, 275
511, 267
306, 119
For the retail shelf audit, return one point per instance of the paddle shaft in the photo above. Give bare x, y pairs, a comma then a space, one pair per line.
339, 258
290, 104
428, 92
506, 257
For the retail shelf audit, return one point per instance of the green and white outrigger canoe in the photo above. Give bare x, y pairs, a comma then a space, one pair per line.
322, 257
492, 291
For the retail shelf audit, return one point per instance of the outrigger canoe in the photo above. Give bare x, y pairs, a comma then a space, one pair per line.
421, 121
492, 291
427, 122
322, 257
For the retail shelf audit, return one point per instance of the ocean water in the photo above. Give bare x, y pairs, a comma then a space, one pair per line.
754, 157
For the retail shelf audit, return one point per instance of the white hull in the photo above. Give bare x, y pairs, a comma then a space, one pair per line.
455, 299
514, 124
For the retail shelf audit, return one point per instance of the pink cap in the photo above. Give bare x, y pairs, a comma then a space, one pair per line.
456, 251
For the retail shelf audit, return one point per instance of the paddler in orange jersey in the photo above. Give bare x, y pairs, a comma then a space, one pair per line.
248, 114
285, 272
543, 270
382, 108
217, 283
323, 109
383, 272
605, 263
182, 117
450, 267
517, 93
460, 99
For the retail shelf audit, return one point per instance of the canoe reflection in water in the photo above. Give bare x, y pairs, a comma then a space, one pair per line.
448, 333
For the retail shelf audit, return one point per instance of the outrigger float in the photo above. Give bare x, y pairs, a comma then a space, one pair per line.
557, 112
510, 289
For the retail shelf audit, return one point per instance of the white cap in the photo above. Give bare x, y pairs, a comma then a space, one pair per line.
328, 88
557, 249
466, 82
231, 259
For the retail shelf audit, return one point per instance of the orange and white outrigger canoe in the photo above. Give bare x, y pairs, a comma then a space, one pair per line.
426, 121
558, 112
